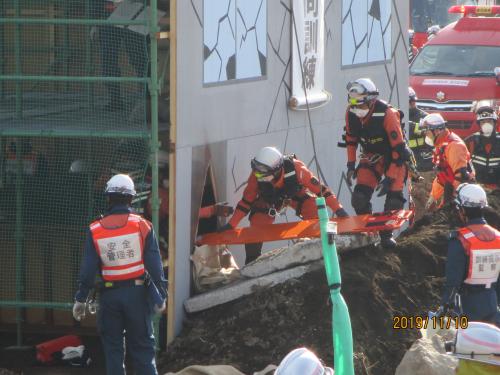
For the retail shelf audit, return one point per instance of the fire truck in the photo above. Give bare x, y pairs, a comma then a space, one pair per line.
460, 66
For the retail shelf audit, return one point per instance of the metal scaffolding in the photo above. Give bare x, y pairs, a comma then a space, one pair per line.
73, 110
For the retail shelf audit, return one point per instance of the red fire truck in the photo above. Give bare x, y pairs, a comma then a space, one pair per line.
460, 66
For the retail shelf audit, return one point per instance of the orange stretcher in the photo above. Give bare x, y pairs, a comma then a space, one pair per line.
307, 228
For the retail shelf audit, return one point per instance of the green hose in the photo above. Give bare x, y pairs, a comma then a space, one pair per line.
341, 322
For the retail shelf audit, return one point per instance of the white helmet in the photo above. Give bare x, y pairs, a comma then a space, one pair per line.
412, 95
433, 30
302, 361
361, 91
120, 184
478, 342
432, 121
471, 195
267, 161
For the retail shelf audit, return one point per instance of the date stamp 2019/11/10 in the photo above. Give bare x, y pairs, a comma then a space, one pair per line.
424, 322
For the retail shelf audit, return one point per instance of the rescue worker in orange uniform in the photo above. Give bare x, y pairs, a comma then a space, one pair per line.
278, 181
376, 126
473, 262
451, 159
123, 247
484, 146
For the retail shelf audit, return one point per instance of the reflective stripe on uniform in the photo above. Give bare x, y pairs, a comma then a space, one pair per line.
119, 246
125, 271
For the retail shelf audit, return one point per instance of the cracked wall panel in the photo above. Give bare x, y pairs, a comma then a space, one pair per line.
219, 40
379, 31
197, 6
354, 31
279, 38
251, 43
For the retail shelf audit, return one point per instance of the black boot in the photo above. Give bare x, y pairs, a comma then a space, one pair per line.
253, 251
386, 240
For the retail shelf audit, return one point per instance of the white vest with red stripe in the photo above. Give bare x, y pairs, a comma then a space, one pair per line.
119, 242
484, 256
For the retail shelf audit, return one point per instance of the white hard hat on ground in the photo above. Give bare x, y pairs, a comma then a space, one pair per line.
302, 361
120, 184
267, 160
471, 195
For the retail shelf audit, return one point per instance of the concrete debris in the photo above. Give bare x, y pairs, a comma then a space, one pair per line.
245, 287
428, 357
301, 253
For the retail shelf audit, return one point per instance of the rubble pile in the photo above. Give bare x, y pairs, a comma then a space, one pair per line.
377, 285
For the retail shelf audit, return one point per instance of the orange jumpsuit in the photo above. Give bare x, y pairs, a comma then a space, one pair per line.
453, 163
383, 153
259, 198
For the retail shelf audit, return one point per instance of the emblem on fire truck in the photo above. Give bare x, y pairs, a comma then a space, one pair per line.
440, 96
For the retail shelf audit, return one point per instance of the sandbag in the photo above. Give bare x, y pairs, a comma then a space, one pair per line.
213, 266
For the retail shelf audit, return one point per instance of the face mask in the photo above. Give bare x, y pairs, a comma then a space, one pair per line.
165, 183
487, 129
359, 112
429, 141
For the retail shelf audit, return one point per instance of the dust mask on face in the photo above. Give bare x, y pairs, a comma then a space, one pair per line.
429, 141
361, 113
487, 128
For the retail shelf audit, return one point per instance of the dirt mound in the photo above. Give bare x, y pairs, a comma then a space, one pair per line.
377, 285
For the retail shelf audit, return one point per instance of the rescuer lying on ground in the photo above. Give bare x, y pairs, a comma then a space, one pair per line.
278, 181
376, 126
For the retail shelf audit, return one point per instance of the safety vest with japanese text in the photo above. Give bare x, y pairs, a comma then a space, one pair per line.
484, 256
119, 242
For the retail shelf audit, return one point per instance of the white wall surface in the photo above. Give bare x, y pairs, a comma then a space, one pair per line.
243, 116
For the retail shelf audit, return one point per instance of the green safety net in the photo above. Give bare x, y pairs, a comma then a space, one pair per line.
62, 72
74, 110
51, 189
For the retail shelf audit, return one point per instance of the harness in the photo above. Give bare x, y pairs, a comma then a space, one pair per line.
373, 137
277, 197
445, 174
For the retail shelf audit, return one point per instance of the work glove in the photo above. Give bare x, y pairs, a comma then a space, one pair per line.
224, 228
384, 186
223, 209
79, 310
341, 213
159, 309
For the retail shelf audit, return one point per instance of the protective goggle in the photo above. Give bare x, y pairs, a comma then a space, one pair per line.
353, 102
357, 94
